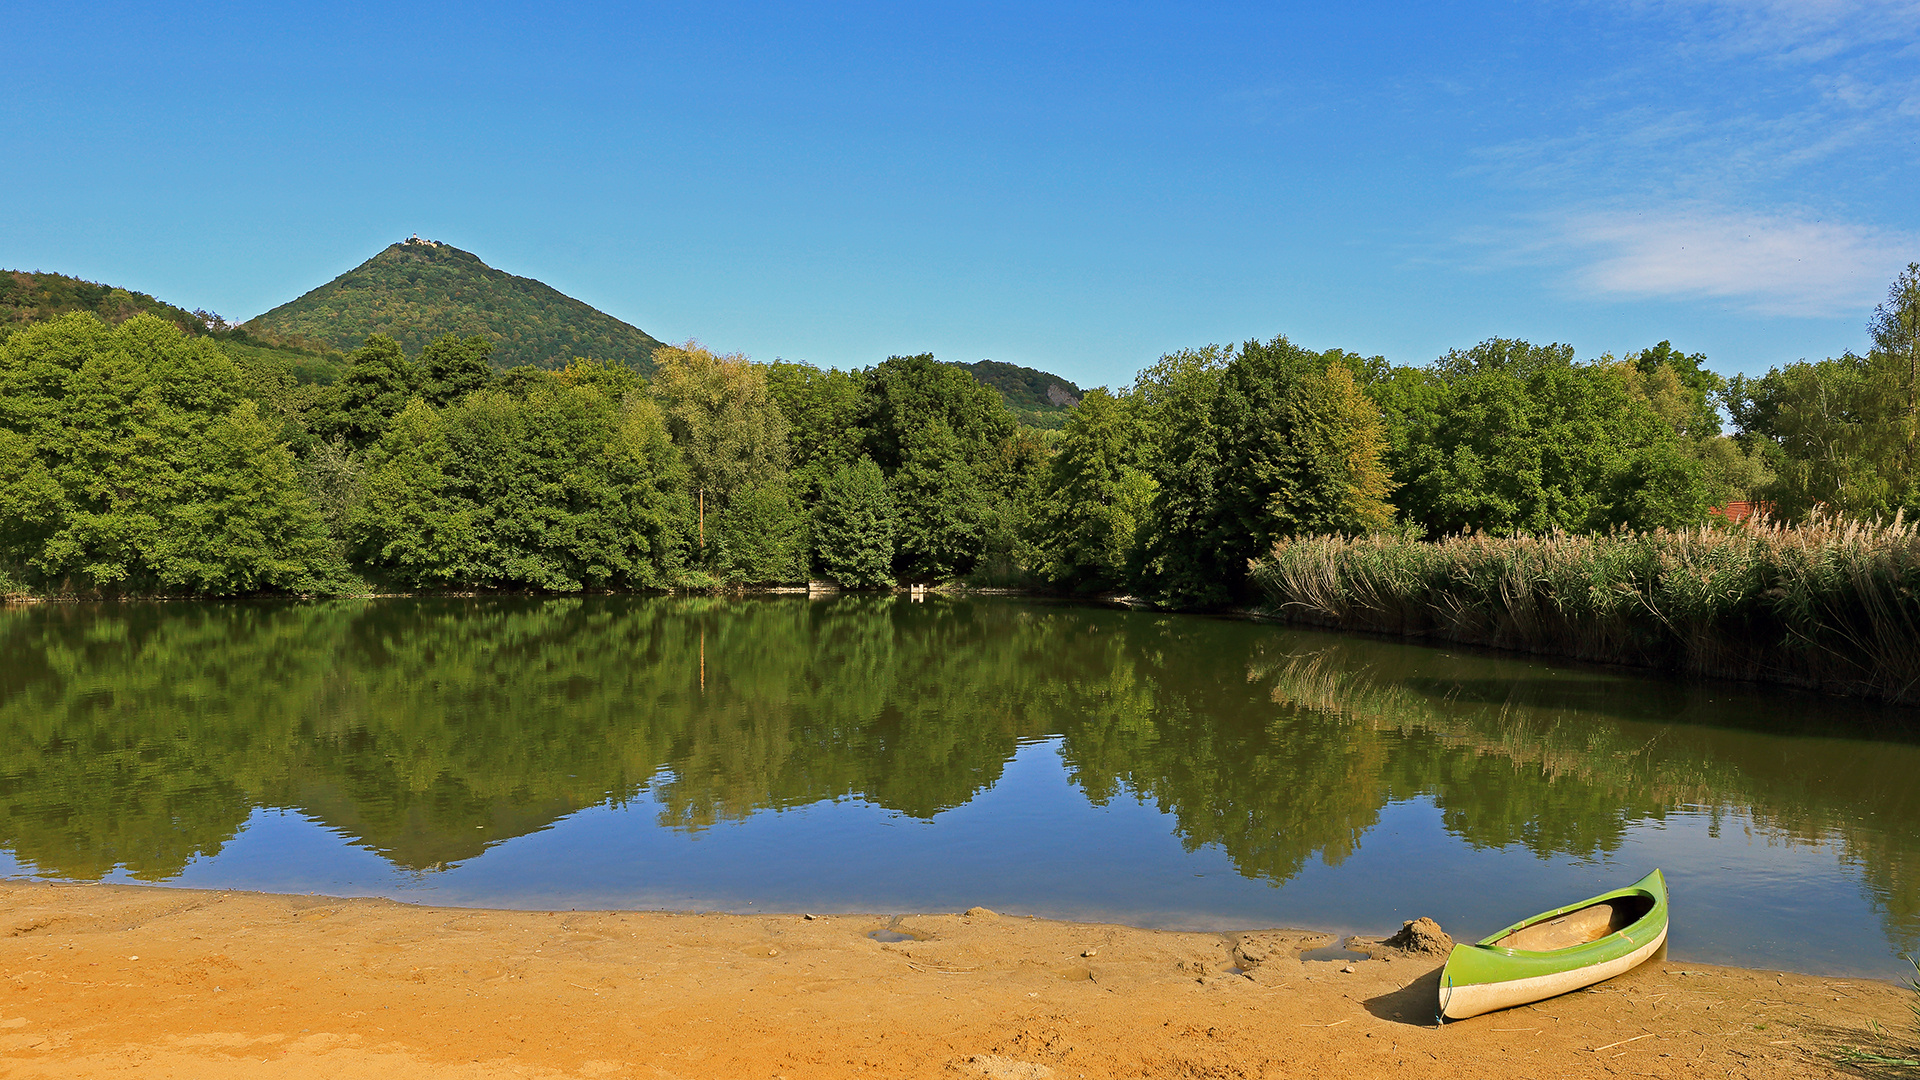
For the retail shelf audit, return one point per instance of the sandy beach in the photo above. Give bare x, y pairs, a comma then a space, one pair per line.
158, 982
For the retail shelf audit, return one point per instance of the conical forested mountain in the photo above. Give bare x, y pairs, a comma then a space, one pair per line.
417, 290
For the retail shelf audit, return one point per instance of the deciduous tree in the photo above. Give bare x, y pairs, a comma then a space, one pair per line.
822, 409
853, 526
379, 382
1093, 524
1510, 437
561, 489
718, 410
451, 367
1896, 344
130, 462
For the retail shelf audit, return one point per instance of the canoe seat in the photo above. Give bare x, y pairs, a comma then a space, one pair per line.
1589, 923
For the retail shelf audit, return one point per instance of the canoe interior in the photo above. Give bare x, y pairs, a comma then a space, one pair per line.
1580, 926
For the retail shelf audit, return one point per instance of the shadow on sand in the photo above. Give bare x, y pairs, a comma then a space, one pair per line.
1417, 1003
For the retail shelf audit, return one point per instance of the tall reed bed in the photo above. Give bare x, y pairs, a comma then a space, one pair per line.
1831, 604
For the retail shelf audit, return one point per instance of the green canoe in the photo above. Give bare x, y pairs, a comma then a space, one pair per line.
1557, 951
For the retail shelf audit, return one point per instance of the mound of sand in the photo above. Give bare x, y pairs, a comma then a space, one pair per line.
1421, 937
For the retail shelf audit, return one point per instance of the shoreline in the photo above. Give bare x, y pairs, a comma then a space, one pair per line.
175, 982
1363, 936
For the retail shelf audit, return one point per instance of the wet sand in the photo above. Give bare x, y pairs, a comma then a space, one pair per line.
113, 980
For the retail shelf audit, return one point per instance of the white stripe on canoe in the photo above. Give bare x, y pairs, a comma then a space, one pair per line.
1460, 1002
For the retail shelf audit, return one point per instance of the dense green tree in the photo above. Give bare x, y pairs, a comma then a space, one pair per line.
613, 379
1504, 356
561, 489
1174, 402
822, 409
1678, 387
729, 432
1302, 449
853, 526
1660, 485
451, 367
1015, 482
1093, 524
940, 507
1896, 347
903, 396
378, 383
942, 439
333, 475
130, 462
1833, 432
411, 520
1686, 396
1246, 445
1510, 437
1841, 433
522, 379
760, 537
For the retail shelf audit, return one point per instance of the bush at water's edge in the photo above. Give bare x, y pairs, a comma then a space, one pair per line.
1832, 605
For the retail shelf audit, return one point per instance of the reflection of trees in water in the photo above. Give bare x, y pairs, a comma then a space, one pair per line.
136, 734
144, 734
910, 706
1161, 710
1546, 760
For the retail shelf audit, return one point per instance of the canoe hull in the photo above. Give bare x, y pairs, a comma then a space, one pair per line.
1525, 962
1460, 1002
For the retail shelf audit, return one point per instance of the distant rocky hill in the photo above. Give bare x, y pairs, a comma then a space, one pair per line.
417, 290
1038, 398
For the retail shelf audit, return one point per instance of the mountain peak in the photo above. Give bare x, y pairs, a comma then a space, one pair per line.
417, 289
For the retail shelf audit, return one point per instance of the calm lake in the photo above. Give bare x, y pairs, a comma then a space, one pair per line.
875, 754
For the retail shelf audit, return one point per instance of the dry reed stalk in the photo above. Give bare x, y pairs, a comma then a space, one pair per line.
1831, 604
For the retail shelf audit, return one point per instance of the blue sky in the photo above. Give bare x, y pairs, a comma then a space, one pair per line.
1077, 188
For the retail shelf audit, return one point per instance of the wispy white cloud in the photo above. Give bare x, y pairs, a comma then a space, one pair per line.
1753, 158
1785, 133
1794, 31
1766, 264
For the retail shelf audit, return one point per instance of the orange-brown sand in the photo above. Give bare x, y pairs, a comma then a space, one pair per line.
156, 982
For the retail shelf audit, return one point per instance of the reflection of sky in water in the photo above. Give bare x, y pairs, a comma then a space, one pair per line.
1033, 844
521, 752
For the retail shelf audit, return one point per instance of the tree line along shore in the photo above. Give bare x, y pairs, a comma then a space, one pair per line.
136, 459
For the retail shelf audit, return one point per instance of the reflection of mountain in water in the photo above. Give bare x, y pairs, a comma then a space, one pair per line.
140, 735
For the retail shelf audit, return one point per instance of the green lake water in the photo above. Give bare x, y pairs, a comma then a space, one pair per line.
876, 754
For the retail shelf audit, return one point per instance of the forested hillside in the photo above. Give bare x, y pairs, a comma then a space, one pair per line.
138, 458
28, 298
31, 297
418, 290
